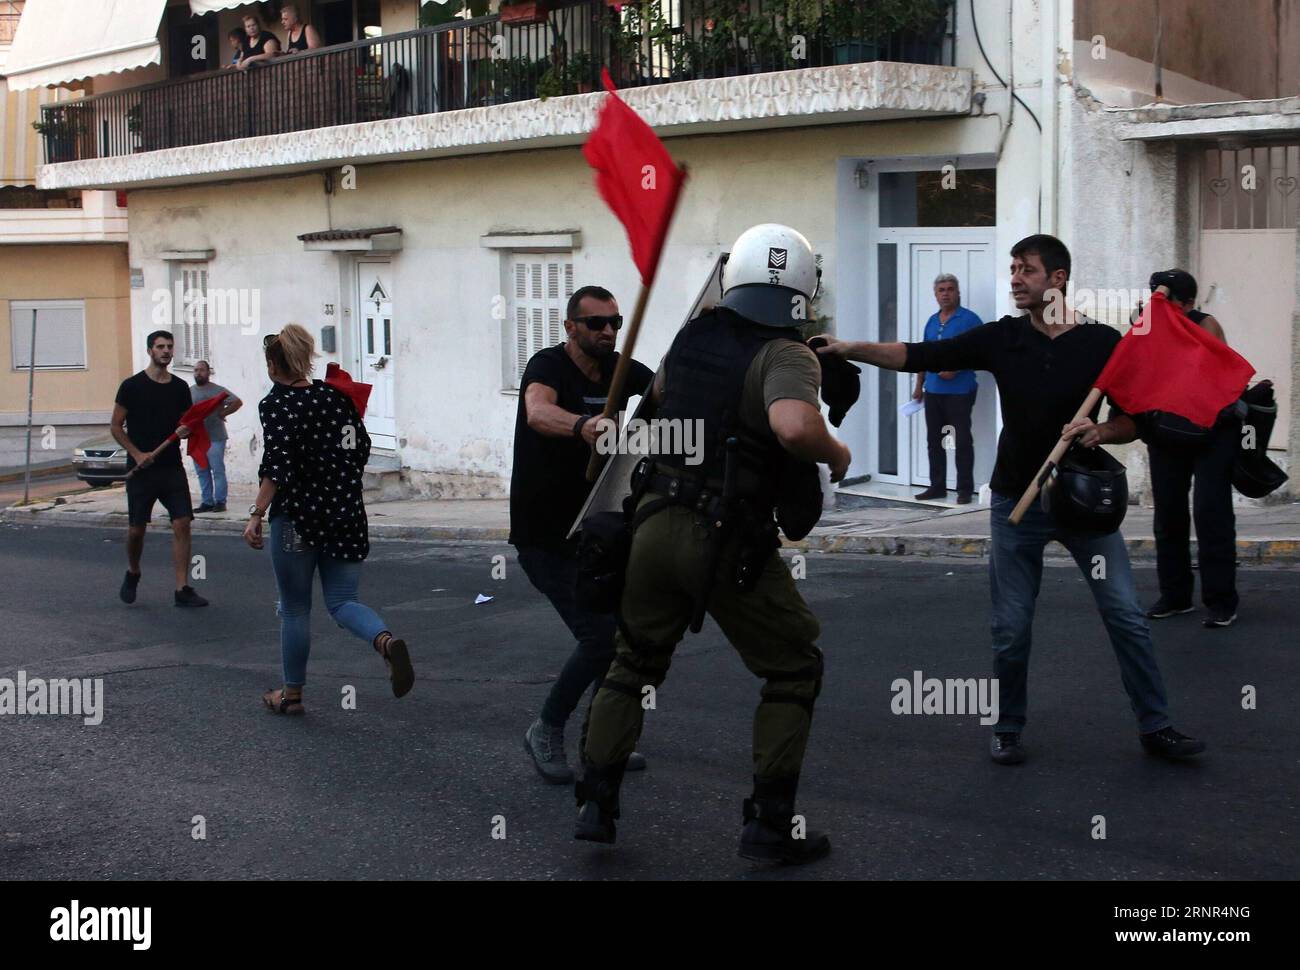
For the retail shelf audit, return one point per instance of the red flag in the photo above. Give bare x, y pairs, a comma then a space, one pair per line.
198, 443
635, 176
339, 379
1167, 363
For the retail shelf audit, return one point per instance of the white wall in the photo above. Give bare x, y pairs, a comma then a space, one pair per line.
456, 421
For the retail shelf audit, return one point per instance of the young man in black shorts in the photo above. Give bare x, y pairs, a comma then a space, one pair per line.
148, 409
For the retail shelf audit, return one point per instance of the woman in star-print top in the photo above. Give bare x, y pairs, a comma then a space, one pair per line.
315, 449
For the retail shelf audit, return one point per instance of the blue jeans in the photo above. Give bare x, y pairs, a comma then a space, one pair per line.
1015, 574
212, 480
554, 573
338, 583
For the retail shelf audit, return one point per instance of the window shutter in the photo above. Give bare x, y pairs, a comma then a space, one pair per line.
192, 328
60, 333
542, 285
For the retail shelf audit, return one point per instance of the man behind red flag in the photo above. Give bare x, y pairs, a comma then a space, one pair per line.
1167, 363
1176, 363
149, 410
636, 177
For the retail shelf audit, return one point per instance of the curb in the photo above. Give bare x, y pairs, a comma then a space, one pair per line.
1141, 549
44, 471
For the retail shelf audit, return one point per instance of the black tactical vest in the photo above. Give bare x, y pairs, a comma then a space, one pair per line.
706, 368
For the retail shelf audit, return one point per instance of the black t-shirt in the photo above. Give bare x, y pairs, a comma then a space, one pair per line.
548, 483
259, 46
153, 411
1041, 382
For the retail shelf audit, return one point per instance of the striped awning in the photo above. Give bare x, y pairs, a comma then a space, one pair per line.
20, 144
207, 6
61, 41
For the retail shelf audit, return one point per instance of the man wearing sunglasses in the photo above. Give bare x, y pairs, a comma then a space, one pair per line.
561, 395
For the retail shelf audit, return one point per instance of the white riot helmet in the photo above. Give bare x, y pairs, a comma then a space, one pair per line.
770, 277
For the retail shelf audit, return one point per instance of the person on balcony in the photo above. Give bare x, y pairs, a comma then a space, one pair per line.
259, 44
236, 40
299, 36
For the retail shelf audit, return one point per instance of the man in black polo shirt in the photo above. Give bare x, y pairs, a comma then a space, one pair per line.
562, 389
1043, 371
147, 410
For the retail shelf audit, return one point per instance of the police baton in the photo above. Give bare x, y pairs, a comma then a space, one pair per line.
718, 531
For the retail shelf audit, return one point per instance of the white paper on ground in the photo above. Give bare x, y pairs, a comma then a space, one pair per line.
482, 599
910, 408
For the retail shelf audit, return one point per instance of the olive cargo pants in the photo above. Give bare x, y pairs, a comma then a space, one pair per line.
771, 628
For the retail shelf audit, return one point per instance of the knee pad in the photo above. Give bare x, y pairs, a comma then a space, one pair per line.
811, 674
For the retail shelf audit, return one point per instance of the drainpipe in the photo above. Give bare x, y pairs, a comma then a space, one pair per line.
1051, 18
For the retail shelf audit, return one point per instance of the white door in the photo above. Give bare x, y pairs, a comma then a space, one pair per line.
903, 264
376, 341
972, 264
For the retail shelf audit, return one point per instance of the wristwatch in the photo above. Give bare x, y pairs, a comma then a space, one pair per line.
254, 510
577, 425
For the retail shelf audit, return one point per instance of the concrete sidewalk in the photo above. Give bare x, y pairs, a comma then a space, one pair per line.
1270, 534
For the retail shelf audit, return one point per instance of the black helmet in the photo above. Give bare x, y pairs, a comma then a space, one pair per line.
1087, 492
1255, 474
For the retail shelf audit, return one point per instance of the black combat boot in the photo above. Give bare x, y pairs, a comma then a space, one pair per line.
597, 793
770, 833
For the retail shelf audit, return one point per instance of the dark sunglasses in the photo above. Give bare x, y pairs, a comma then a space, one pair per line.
269, 339
598, 323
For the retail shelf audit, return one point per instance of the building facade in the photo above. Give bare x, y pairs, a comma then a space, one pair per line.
63, 282
405, 195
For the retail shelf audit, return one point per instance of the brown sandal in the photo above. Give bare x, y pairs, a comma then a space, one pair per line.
398, 660
283, 704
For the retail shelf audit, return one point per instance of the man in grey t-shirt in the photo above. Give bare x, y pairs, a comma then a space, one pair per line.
212, 480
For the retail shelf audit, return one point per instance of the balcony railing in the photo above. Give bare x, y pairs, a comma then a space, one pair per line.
495, 60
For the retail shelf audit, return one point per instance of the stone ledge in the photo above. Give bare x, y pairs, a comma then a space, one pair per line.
880, 90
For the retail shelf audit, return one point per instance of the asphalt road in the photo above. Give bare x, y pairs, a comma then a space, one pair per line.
412, 788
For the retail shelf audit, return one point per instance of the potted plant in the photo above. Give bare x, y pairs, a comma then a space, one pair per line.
862, 31
523, 13
807, 19
581, 73
644, 44
767, 47
60, 132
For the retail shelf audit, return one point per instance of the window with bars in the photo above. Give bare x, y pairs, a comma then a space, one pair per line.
1251, 188
540, 287
192, 328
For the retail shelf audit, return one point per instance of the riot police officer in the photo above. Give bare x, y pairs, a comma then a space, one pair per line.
706, 537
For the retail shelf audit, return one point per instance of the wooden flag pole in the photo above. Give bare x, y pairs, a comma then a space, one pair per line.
148, 459
1031, 492
614, 401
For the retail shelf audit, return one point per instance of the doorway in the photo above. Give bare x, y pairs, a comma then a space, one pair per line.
183, 31
906, 264
334, 20
902, 224
376, 341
